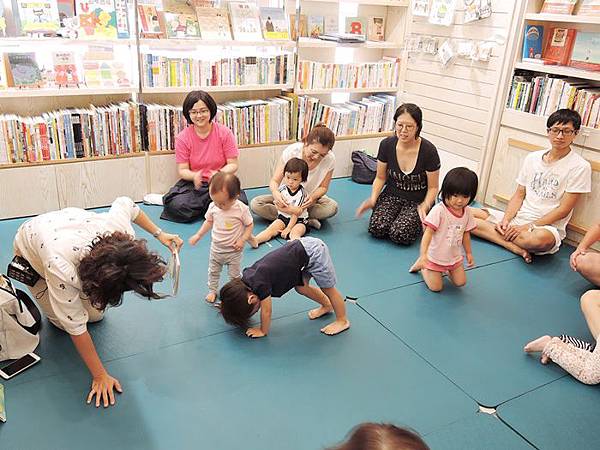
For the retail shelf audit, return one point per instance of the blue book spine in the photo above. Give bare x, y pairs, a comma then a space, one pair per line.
532, 42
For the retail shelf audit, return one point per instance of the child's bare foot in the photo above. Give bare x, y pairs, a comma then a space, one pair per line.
252, 241
319, 312
336, 327
537, 345
211, 297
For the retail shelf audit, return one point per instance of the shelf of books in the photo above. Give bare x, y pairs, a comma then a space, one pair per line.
563, 18
397, 3
307, 42
559, 70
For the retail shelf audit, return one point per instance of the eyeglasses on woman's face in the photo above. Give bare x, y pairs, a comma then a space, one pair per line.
199, 112
405, 126
555, 131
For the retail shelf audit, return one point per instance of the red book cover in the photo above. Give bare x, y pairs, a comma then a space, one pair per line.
559, 45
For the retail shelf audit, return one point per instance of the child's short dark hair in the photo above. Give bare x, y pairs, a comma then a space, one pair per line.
564, 116
235, 308
297, 165
459, 181
382, 436
227, 181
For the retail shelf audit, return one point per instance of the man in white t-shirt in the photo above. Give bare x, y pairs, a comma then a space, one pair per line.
549, 184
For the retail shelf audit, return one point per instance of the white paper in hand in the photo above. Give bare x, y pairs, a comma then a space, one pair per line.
173, 269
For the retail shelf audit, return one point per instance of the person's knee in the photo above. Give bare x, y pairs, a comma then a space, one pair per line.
540, 242
590, 300
405, 235
460, 283
587, 266
435, 286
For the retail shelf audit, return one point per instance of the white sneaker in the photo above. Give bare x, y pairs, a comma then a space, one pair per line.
314, 223
153, 199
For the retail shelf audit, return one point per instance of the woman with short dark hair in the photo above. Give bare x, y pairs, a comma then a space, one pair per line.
407, 181
86, 262
203, 148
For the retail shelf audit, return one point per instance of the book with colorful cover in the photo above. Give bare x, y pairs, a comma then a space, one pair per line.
181, 25
316, 26
97, 19
589, 8
356, 25
245, 21
558, 6
302, 25
22, 70
558, 46
3, 81
214, 24
586, 51
65, 70
376, 29
122, 19
150, 22
274, 23
331, 24
533, 39
66, 10
38, 16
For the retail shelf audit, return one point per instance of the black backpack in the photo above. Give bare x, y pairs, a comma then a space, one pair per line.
364, 167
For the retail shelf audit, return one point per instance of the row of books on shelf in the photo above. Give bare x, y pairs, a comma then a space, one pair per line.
86, 19
562, 46
372, 114
586, 7
72, 133
131, 127
319, 75
60, 69
165, 71
541, 95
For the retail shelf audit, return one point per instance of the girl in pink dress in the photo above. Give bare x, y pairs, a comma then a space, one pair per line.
447, 231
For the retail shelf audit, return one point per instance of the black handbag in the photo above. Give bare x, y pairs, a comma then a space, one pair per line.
364, 167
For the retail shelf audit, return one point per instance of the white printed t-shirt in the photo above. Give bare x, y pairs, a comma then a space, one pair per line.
546, 183
316, 175
293, 199
228, 226
54, 243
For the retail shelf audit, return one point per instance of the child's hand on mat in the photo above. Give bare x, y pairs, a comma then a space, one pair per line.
419, 264
194, 239
239, 244
573, 258
470, 260
103, 387
255, 333
198, 179
285, 233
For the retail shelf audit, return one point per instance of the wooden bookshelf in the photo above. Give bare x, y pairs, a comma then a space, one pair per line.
182, 44
372, 90
247, 87
18, 40
562, 18
305, 42
53, 92
559, 70
397, 3
71, 160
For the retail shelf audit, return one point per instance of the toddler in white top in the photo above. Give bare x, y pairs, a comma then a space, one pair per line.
295, 173
447, 231
231, 224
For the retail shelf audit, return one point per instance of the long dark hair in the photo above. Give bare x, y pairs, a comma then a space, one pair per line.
117, 263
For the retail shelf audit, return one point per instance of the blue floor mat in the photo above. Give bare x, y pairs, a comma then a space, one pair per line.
560, 415
297, 389
475, 335
481, 431
366, 265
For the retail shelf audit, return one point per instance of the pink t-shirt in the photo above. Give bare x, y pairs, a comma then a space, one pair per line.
228, 226
209, 154
445, 248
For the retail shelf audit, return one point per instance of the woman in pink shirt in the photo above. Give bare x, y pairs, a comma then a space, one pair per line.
202, 149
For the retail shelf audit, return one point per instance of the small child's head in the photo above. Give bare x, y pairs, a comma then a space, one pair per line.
238, 303
295, 172
224, 189
459, 188
382, 436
